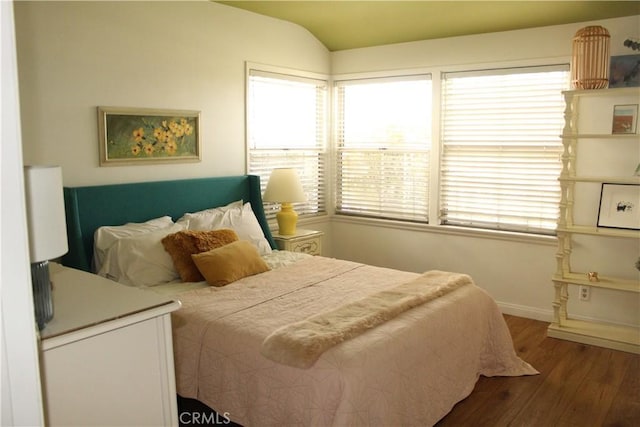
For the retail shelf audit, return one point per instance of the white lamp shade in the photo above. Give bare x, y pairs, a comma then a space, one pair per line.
284, 186
45, 212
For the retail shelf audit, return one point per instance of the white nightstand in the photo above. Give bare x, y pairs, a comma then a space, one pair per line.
107, 354
306, 241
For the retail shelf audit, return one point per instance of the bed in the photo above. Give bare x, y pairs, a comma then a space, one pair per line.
295, 344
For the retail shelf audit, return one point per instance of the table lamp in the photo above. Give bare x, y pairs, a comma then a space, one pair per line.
284, 187
47, 232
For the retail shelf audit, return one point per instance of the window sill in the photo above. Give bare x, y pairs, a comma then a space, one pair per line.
449, 229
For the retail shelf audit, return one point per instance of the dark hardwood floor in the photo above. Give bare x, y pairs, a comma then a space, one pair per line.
578, 385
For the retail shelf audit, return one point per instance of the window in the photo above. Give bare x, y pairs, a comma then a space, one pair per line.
286, 127
501, 148
383, 132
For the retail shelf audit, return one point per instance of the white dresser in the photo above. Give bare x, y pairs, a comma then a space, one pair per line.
107, 355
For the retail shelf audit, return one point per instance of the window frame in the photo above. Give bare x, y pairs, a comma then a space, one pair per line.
537, 147
436, 72
322, 185
338, 148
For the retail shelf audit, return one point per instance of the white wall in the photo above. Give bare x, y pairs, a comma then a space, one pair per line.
75, 56
516, 273
491, 48
183, 55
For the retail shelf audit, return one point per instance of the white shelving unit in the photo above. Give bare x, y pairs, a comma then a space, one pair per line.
604, 158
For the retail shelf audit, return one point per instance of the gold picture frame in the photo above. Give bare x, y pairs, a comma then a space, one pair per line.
135, 136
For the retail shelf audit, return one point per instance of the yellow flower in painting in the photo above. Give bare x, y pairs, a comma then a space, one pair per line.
138, 134
179, 131
164, 136
159, 134
171, 147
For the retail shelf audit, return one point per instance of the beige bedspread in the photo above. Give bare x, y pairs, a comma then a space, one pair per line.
301, 343
410, 370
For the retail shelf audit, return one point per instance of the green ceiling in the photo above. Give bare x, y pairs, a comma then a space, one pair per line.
343, 25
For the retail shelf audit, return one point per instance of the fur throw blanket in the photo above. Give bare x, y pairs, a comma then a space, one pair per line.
300, 344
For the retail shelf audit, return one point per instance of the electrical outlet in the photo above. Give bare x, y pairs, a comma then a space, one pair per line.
585, 293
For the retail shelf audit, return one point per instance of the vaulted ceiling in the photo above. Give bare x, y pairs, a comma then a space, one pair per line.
343, 25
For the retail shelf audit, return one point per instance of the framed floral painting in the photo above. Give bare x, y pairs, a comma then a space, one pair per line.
136, 135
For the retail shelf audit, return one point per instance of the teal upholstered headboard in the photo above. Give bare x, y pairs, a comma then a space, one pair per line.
88, 208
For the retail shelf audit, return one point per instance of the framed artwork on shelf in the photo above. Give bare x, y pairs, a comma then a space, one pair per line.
135, 136
619, 206
623, 71
625, 118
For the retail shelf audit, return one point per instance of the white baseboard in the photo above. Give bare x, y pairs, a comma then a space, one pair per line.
526, 311
547, 315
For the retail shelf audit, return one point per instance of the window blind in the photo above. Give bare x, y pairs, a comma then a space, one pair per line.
501, 148
286, 127
383, 133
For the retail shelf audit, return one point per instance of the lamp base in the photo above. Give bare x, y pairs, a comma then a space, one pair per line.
42, 301
287, 219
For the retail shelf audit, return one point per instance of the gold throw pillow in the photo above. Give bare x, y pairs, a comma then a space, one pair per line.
185, 243
229, 263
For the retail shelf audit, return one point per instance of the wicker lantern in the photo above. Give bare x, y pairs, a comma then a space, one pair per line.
590, 58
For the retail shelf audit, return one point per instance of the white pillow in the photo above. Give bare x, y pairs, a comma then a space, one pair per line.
105, 237
247, 227
206, 219
240, 218
140, 259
